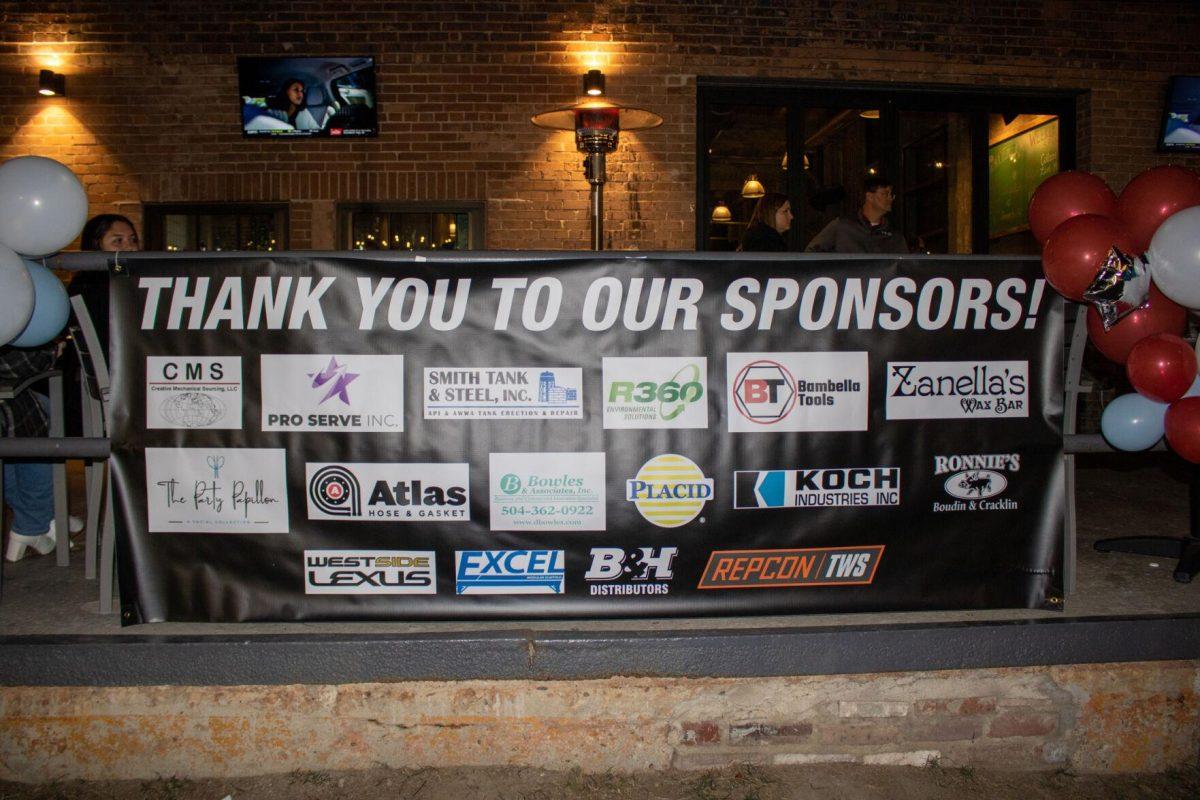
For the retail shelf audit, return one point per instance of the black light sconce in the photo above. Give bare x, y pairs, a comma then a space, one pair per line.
52, 84
593, 83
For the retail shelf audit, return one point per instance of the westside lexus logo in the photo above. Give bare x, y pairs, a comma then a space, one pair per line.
975, 481
957, 389
638, 571
388, 492
370, 572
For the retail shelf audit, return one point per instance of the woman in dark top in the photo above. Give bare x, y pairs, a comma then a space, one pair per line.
770, 221
111, 233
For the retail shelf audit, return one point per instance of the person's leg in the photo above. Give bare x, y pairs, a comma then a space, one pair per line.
29, 489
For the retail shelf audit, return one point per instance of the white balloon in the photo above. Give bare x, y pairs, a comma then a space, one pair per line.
16, 287
42, 206
1174, 257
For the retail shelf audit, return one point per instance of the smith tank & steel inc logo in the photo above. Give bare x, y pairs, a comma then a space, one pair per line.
669, 490
976, 481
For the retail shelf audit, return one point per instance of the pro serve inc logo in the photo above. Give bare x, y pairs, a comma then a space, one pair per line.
669, 490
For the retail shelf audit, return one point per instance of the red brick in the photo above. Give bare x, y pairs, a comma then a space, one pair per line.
700, 733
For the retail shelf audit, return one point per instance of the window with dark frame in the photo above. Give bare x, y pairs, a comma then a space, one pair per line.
817, 141
408, 227
216, 227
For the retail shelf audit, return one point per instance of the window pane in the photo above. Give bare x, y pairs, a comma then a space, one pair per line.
744, 143
1022, 152
841, 147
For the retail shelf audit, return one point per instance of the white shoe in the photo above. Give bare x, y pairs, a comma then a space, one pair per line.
43, 544
74, 523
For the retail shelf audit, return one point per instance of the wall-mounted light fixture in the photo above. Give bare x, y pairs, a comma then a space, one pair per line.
593, 83
597, 125
752, 189
51, 84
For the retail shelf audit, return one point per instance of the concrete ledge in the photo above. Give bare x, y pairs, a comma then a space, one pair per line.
575, 655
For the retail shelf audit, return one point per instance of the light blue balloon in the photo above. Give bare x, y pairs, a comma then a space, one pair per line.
1132, 422
51, 308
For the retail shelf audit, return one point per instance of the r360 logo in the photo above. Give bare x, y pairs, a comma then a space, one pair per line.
673, 396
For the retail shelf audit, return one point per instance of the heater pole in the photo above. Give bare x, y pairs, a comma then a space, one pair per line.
593, 168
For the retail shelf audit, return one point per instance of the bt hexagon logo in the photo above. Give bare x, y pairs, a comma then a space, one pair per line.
764, 392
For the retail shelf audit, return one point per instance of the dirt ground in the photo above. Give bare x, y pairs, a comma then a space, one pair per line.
826, 782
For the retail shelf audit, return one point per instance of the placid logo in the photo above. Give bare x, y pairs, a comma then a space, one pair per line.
638, 571
975, 480
388, 492
334, 393
655, 393
669, 490
370, 572
509, 572
957, 389
769, 569
797, 391
503, 393
817, 488
547, 491
186, 392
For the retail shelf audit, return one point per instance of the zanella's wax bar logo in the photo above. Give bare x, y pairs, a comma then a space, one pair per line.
216, 490
388, 492
957, 389
976, 481
503, 393
333, 393
769, 569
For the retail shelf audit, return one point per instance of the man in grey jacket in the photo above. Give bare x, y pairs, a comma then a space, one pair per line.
866, 232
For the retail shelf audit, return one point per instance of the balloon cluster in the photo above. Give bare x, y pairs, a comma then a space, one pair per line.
42, 209
1136, 259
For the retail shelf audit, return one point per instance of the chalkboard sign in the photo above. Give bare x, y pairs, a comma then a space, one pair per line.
1016, 167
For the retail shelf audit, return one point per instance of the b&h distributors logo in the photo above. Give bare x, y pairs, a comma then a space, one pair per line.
669, 490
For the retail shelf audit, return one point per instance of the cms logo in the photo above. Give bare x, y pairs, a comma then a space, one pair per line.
335, 490
764, 392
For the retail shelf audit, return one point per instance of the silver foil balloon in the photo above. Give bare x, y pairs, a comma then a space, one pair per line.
1121, 286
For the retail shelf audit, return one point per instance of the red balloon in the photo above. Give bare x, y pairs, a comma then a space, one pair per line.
1077, 249
1159, 315
1065, 195
1151, 197
1183, 428
1162, 367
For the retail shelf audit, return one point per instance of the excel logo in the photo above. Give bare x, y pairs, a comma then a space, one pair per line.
655, 393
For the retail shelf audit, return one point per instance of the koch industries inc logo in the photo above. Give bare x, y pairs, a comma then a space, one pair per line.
817, 488
669, 490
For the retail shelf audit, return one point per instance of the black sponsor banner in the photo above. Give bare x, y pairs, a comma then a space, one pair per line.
300, 438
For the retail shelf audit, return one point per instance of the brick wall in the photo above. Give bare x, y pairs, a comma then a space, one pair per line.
151, 109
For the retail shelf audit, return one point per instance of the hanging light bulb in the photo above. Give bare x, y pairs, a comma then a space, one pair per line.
752, 189
721, 212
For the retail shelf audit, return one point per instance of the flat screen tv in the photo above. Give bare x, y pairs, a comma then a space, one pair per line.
305, 97
1180, 130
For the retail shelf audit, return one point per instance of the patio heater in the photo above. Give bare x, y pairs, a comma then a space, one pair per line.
597, 125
